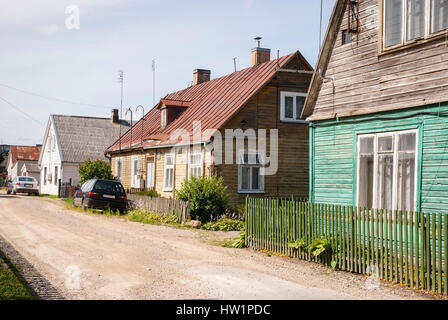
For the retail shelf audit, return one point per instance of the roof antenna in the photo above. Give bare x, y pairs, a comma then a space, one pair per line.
234, 63
153, 82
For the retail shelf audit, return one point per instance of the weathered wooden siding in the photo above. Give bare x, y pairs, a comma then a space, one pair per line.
367, 81
333, 146
263, 112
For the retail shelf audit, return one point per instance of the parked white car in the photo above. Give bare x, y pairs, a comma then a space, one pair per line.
23, 185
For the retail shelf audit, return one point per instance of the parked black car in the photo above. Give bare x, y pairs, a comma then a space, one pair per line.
101, 194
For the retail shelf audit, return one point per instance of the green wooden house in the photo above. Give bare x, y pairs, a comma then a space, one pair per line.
378, 107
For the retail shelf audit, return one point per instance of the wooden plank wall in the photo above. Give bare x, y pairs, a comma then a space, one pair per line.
367, 81
334, 163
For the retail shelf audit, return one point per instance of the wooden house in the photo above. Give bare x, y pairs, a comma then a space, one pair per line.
69, 141
378, 106
268, 95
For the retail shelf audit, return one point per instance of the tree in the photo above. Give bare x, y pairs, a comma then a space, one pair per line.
208, 198
97, 169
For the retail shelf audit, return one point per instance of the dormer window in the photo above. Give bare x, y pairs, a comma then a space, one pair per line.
163, 118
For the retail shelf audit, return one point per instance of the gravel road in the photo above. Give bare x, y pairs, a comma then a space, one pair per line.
85, 256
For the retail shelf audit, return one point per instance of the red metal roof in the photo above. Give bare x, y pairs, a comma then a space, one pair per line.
29, 153
213, 103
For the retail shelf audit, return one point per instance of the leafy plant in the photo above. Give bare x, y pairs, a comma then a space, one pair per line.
239, 242
318, 246
149, 193
224, 224
207, 196
301, 243
97, 169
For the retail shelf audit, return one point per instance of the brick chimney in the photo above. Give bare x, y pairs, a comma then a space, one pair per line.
260, 55
201, 76
114, 116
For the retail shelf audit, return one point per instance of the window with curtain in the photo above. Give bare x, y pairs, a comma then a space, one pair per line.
439, 15
134, 172
250, 175
409, 20
169, 171
393, 22
195, 165
386, 177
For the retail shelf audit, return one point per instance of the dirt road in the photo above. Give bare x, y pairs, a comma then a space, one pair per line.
87, 256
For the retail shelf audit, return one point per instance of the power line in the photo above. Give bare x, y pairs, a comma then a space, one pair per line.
21, 111
55, 99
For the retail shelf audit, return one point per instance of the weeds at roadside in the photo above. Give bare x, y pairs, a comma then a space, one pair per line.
12, 287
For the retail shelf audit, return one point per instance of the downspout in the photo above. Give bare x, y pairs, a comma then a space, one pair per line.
311, 161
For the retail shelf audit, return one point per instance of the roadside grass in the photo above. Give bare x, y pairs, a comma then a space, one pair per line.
169, 220
152, 217
12, 287
45, 196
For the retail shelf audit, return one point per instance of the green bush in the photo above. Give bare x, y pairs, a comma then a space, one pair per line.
97, 169
224, 224
207, 196
148, 193
151, 217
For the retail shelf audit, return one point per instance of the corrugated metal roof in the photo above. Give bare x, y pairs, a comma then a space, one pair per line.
213, 103
24, 153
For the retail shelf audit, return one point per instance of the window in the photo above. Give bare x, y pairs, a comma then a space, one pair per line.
195, 164
53, 140
409, 20
169, 172
250, 172
346, 37
134, 172
439, 15
163, 118
118, 167
291, 105
150, 175
386, 177
55, 175
45, 175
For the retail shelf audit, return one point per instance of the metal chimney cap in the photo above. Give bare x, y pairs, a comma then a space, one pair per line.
257, 41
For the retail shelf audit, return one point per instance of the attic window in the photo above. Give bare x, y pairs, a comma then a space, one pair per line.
163, 118
406, 21
346, 37
291, 105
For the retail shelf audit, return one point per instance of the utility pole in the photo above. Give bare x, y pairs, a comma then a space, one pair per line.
121, 81
153, 82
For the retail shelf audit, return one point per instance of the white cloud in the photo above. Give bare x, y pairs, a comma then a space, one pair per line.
48, 30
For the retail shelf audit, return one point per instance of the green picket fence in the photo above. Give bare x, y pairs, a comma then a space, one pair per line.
408, 248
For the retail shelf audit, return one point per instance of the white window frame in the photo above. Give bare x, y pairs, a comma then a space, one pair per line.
134, 172
241, 154
197, 165
283, 95
56, 175
163, 118
165, 169
119, 165
376, 154
150, 175
427, 33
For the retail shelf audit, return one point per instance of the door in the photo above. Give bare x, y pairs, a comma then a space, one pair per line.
150, 175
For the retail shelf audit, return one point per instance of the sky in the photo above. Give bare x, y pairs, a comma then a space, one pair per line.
50, 66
